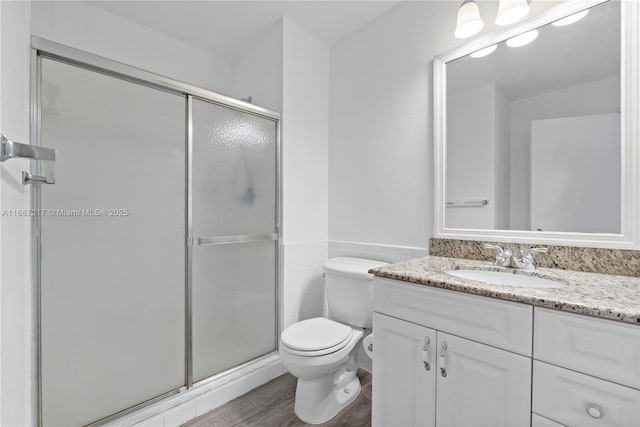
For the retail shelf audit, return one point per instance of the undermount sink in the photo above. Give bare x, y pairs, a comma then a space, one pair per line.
505, 278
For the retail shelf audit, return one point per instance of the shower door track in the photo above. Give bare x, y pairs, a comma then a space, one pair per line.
42, 48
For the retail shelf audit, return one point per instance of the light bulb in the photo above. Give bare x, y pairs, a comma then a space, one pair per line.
469, 21
511, 11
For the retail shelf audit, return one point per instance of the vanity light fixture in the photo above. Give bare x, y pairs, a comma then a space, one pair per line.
511, 11
522, 39
484, 52
469, 21
570, 19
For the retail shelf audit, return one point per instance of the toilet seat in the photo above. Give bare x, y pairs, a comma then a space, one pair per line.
315, 337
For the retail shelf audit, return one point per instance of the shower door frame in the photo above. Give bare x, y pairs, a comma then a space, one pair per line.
42, 48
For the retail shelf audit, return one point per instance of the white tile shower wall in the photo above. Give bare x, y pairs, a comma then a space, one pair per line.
303, 288
89, 28
178, 409
16, 339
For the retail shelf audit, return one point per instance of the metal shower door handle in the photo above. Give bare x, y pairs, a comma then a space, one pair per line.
28, 178
12, 150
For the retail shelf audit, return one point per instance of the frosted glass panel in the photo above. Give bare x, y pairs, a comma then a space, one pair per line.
234, 172
234, 317
113, 284
234, 193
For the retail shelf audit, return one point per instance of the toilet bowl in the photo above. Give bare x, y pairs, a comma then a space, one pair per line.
320, 352
327, 380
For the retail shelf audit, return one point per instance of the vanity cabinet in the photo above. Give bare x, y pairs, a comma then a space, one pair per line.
444, 358
432, 366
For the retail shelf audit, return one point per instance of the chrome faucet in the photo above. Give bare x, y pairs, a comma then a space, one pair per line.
525, 261
506, 258
503, 256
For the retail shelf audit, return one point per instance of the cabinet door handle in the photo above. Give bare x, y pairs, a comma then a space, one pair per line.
425, 353
443, 359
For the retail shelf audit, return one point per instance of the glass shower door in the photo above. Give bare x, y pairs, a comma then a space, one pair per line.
112, 245
234, 226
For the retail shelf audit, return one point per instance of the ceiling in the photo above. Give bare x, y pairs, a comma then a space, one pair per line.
224, 27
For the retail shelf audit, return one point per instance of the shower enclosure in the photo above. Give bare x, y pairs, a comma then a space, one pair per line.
156, 251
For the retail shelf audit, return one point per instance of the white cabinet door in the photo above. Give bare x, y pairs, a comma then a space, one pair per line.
479, 385
404, 386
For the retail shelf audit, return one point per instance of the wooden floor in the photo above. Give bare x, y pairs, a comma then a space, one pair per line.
272, 405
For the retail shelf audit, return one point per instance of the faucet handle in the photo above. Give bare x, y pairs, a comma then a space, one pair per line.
526, 260
503, 256
529, 252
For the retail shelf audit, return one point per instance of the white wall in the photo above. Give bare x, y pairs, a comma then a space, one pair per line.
599, 97
256, 70
380, 155
16, 362
86, 27
305, 124
471, 155
502, 160
575, 174
478, 157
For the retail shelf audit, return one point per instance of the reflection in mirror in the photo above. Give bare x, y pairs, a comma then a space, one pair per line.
533, 130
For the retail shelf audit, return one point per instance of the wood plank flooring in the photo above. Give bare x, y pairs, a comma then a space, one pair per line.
271, 405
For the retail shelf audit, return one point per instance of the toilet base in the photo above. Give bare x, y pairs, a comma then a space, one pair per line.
320, 399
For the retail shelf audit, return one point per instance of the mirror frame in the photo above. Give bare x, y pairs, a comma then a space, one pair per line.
629, 238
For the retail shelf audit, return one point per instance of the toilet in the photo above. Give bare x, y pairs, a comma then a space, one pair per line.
320, 352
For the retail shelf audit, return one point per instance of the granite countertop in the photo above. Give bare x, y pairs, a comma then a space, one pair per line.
593, 294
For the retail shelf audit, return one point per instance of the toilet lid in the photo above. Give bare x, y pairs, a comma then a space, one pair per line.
315, 334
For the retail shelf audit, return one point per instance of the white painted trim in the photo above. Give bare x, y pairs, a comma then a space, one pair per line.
630, 103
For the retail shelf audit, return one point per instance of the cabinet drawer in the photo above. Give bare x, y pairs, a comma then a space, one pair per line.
565, 397
603, 348
502, 324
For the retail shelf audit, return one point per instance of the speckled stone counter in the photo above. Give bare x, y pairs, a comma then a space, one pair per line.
593, 294
591, 260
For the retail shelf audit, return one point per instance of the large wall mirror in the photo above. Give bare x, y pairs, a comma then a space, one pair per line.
536, 130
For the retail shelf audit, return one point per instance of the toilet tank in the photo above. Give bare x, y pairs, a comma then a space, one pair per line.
349, 289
